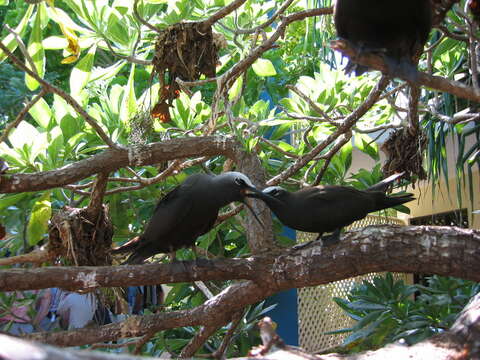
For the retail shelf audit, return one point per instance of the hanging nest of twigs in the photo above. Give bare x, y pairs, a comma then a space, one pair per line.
405, 153
80, 241
183, 50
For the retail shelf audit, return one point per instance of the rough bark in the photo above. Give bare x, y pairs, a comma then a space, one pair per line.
439, 83
441, 250
462, 341
113, 159
436, 250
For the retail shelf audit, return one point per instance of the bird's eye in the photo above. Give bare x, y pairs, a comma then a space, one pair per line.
275, 192
240, 182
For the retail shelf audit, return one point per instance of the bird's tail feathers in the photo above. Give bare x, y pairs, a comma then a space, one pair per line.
385, 183
391, 201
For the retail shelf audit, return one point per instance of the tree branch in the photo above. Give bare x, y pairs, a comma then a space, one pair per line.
112, 159
446, 251
434, 82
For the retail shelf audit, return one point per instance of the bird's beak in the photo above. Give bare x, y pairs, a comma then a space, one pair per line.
250, 191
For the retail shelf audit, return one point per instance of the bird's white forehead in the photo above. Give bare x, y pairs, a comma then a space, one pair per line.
239, 175
271, 188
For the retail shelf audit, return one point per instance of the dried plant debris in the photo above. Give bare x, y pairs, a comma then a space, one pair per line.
141, 128
440, 9
80, 241
183, 50
405, 153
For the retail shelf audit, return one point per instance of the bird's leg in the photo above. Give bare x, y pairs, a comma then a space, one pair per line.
332, 239
401, 68
308, 243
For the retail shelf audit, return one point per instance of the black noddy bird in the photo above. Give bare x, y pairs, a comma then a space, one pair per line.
187, 212
396, 29
320, 209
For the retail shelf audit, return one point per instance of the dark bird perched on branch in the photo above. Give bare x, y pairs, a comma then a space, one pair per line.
187, 212
396, 29
320, 209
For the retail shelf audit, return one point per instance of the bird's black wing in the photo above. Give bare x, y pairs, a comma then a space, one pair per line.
171, 211
332, 194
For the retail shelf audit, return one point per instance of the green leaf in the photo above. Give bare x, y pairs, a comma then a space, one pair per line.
38, 224
24, 134
129, 105
10, 200
41, 113
4, 2
36, 50
264, 67
9, 41
80, 74
236, 88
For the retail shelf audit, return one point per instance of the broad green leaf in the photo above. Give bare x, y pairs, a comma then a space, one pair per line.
35, 49
38, 146
55, 140
9, 41
38, 224
264, 67
64, 20
107, 73
24, 134
41, 113
236, 88
80, 74
11, 199
4, 2
117, 29
129, 103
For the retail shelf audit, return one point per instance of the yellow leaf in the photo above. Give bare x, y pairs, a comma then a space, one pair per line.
70, 59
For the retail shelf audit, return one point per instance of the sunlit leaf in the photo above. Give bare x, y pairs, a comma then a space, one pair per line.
236, 88
41, 113
24, 133
9, 41
38, 224
129, 103
80, 74
35, 49
264, 67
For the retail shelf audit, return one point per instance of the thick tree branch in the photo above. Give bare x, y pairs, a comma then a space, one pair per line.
112, 159
447, 251
434, 82
460, 342
436, 250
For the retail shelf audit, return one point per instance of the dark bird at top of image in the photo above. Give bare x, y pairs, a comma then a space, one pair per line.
187, 212
398, 30
320, 209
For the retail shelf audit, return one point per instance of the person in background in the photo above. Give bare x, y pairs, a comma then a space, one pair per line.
47, 303
76, 310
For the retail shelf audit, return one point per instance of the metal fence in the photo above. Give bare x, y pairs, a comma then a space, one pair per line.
317, 313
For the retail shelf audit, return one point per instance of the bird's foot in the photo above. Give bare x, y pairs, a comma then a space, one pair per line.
332, 239
402, 69
303, 245
360, 49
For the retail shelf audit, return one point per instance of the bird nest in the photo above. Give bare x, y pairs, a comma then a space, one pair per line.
80, 241
186, 51
405, 154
